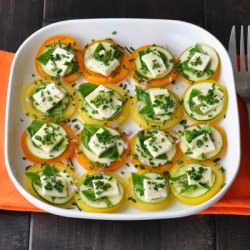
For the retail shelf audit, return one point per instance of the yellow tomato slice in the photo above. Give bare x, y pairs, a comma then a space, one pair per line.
219, 116
160, 169
135, 202
85, 207
38, 168
119, 119
146, 124
34, 113
224, 139
219, 181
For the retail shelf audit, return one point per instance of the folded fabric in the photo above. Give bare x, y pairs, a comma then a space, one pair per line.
235, 201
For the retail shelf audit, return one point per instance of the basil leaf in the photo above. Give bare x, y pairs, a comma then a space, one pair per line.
185, 187
145, 98
49, 170
88, 131
90, 195
111, 153
86, 88
56, 111
34, 127
196, 109
35, 178
138, 182
107, 202
44, 58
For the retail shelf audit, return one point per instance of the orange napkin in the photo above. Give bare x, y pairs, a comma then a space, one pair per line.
235, 201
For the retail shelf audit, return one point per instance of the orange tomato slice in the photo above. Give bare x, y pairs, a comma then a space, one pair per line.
116, 76
66, 156
93, 166
63, 40
170, 77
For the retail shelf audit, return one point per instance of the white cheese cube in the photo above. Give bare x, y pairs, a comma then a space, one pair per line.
49, 182
58, 64
99, 147
105, 188
206, 148
196, 100
158, 144
47, 98
206, 108
111, 102
206, 176
100, 67
157, 97
40, 138
154, 64
154, 189
199, 61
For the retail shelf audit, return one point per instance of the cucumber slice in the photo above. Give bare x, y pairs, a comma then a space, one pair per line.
217, 140
190, 74
53, 74
90, 51
64, 101
151, 176
111, 201
191, 193
103, 160
57, 200
169, 63
54, 153
146, 159
202, 87
93, 114
158, 118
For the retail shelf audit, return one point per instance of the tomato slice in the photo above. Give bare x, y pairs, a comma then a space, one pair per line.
90, 166
137, 203
73, 45
220, 115
116, 76
219, 181
38, 168
170, 77
224, 141
146, 124
85, 207
65, 157
119, 119
33, 112
160, 169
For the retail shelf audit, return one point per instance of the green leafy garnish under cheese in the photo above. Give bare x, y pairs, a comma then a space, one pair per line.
138, 182
86, 88
191, 134
145, 98
47, 170
45, 57
106, 137
105, 56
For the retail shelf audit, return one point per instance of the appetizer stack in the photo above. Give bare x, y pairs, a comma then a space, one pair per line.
164, 158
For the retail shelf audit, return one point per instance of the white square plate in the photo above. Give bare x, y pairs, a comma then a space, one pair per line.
177, 36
